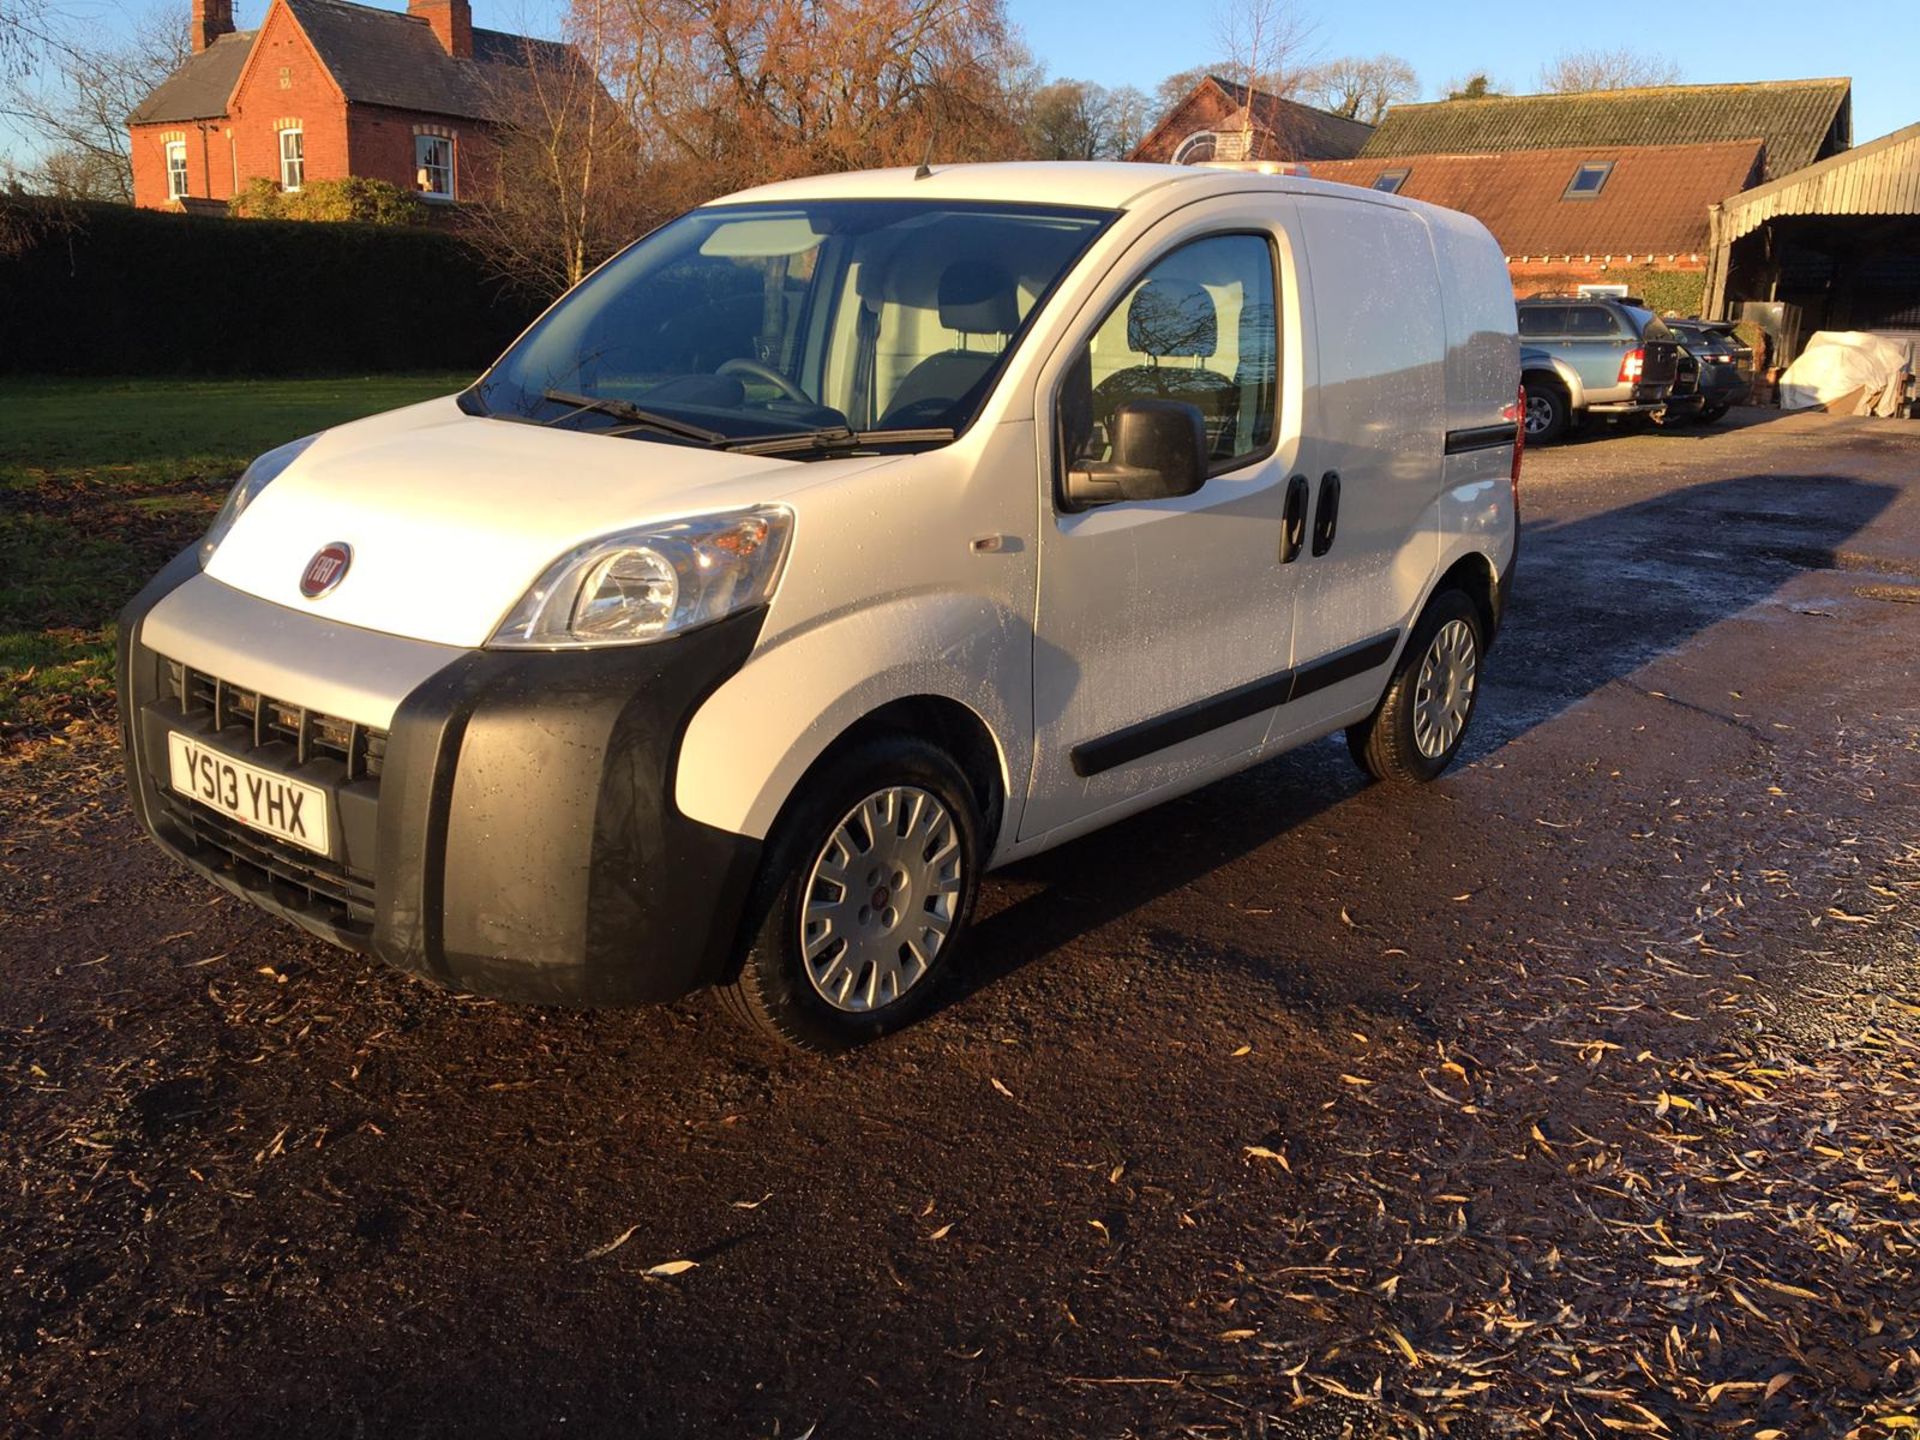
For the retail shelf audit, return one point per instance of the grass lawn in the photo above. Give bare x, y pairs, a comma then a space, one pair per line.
100, 482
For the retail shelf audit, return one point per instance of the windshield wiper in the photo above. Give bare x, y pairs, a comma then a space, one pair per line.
632, 415
834, 437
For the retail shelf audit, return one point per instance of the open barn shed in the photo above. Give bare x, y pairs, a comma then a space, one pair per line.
1839, 239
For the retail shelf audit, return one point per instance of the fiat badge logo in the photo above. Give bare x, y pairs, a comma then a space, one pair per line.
326, 569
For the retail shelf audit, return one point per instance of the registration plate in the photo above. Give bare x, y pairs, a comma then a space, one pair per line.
260, 799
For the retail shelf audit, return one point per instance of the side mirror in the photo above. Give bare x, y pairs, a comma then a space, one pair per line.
1159, 451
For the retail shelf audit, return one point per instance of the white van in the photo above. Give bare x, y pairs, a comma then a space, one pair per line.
833, 544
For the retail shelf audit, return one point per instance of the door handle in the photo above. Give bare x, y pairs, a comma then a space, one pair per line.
1293, 528
1326, 514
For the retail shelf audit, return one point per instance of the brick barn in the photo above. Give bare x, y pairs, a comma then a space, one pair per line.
325, 89
1223, 120
1576, 215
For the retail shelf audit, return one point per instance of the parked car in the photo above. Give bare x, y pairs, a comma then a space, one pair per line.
834, 543
1591, 356
1726, 364
1684, 400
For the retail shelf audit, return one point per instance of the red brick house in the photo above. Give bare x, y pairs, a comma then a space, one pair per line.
325, 89
1224, 120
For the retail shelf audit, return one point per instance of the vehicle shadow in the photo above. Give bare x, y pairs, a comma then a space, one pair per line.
1595, 599
1597, 431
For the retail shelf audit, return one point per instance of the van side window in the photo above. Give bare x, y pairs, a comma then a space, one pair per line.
1200, 327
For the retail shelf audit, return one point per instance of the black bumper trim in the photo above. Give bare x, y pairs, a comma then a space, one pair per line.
528, 846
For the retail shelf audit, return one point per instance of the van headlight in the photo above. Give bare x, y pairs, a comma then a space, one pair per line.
258, 475
647, 584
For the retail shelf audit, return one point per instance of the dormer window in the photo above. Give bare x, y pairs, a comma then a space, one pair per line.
1390, 181
1588, 180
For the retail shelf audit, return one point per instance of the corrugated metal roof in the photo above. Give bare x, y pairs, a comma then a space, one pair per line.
198, 90
1879, 178
1654, 202
1796, 118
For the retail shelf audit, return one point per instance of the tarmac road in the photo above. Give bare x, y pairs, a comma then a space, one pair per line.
1580, 1085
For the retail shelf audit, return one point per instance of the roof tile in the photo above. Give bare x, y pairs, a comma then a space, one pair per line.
1796, 119
1653, 203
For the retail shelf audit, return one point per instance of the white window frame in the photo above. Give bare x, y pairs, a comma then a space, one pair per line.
423, 168
177, 181
293, 167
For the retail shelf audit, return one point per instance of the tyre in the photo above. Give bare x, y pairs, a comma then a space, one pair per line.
1712, 414
1547, 411
1421, 721
865, 897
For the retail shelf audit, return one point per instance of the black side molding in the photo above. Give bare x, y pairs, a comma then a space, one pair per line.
1481, 437
1136, 742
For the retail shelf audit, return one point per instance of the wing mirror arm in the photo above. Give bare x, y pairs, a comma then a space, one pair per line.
1159, 452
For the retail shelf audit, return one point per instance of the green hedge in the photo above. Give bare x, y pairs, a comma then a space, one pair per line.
107, 290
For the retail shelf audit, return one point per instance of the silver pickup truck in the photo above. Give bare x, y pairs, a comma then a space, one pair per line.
1583, 356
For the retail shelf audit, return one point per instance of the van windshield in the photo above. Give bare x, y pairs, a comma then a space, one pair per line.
848, 318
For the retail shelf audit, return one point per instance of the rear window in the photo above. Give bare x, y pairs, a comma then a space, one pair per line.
1650, 325
1591, 321
1543, 319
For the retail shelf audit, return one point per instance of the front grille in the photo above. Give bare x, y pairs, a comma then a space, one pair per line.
300, 878
361, 748
340, 894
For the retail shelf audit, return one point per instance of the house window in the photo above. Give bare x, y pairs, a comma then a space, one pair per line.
1197, 148
433, 166
1391, 180
176, 169
293, 159
1588, 180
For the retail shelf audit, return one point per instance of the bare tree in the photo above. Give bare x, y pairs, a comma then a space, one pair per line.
734, 92
78, 111
1079, 120
1621, 69
1360, 88
564, 190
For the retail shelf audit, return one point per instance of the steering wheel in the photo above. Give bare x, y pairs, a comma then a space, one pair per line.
743, 366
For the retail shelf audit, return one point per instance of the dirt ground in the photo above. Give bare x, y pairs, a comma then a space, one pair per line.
1576, 1094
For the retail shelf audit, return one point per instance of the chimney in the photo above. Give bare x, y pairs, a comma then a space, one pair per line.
452, 22
211, 20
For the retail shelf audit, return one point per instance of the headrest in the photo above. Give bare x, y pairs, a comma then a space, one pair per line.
977, 297
1172, 317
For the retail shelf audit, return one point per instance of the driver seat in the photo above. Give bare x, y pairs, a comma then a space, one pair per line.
976, 298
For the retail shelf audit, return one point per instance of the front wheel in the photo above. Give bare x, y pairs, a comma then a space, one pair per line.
1422, 719
867, 891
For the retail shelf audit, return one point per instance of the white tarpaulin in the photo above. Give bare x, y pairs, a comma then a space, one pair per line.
1839, 362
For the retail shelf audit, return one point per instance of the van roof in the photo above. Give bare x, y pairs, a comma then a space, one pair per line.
1105, 185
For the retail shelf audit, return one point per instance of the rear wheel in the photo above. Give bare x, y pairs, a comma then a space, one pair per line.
1712, 413
1548, 412
1422, 719
867, 891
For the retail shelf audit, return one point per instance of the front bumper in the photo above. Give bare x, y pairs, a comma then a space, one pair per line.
511, 832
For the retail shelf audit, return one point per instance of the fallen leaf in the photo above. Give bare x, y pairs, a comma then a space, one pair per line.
942, 1232
613, 1244
1261, 1152
753, 1204
1237, 1334
1001, 1088
1243, 1050
667, 1268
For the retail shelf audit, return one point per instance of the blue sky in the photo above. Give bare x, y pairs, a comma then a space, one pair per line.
1138, 42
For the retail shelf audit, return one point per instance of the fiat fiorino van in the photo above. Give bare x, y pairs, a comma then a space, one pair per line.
831, 545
